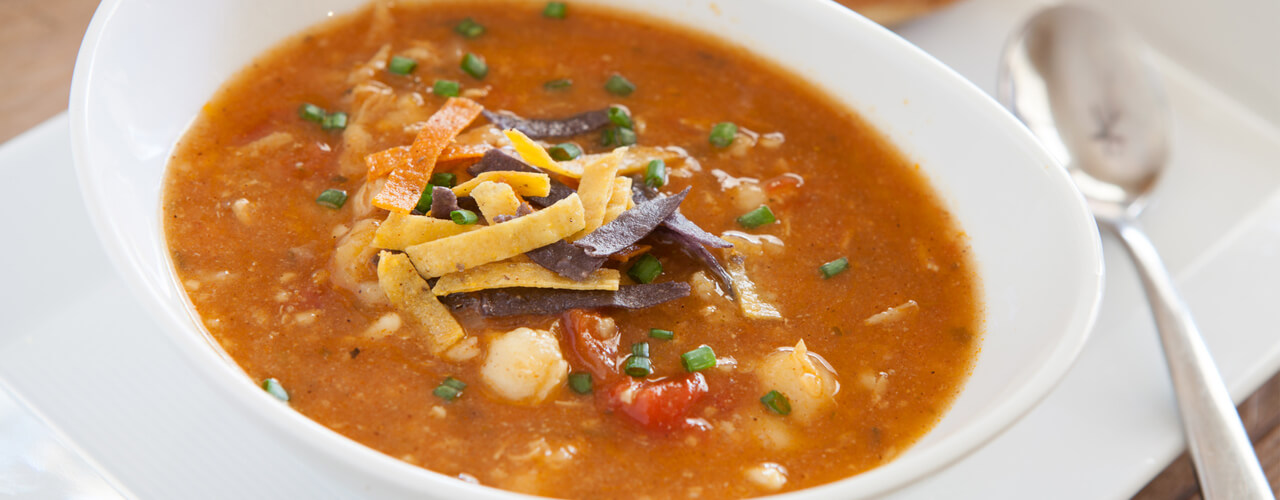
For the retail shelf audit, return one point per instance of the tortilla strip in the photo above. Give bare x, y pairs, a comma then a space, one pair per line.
751, 304
404, 184
534, 154
496, 198
524, 183
619, 200
581, 123
495, 160
499, 241
518, 301
596, 187
635, 161
521, 275
411, 296
403, 230
453, 156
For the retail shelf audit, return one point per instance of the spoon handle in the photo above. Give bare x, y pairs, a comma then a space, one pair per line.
1225, 463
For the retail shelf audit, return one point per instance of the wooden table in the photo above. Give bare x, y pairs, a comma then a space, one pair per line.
38, 44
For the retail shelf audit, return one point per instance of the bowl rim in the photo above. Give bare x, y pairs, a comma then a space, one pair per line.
887, 477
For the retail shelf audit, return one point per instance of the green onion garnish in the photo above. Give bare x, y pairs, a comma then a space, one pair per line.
335, 121
661, 334
618, 136
620, 117
444, 179
469, 28
475, 66
424, 201
699, 359
619, 86
580, 382
834, 267
555, 10
450, 389
655, 175
446, 88
777, 402
463, 217
273, 387
757, 217
311, 112
722, 134
640, 349
561, 84
332, 198
637, 366
646, 268
401, 65
564, 152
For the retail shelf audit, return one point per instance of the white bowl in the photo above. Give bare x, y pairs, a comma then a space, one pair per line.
145, 69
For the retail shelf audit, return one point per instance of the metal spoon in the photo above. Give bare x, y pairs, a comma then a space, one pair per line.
1086, 89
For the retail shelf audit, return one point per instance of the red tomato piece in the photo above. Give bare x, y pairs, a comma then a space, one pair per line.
594, 340
657, 405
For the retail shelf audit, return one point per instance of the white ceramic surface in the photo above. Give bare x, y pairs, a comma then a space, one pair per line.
1035, 245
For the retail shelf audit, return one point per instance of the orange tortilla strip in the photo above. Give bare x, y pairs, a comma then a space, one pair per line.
453, 157
457, 156
404, 185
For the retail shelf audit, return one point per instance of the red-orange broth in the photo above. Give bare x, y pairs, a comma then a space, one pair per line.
892, 338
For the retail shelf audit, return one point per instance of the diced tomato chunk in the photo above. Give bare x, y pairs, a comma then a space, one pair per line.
594, 341
780, 189
657, 405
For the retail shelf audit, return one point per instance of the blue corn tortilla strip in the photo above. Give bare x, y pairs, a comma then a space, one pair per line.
581, 123
630, 226
547, 301
697, 251
496, 160
443, 202
677, 222
566, 259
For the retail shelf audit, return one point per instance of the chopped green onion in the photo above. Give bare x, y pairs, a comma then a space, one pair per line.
620, 117
722, 134
777, 402
757, 217
661, 334
444, 179
655, 175
561, 84
273, 387
335, 121
640, 349
564, 152
580, 382
401, 65
475, 66
619, 86
617, 136
637, 366
699, 359
424, 201
311, 112
555, 10
446, 88
332, 198
463, 217
834, 267
469, 28
450, 389
646, 268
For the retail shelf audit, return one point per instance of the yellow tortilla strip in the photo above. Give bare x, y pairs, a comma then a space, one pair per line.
411, 296
534, 154
524, 183
404, 230
521, 274
618, 201
499, 241
748, 300
494, 199
634, 161
596, 187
